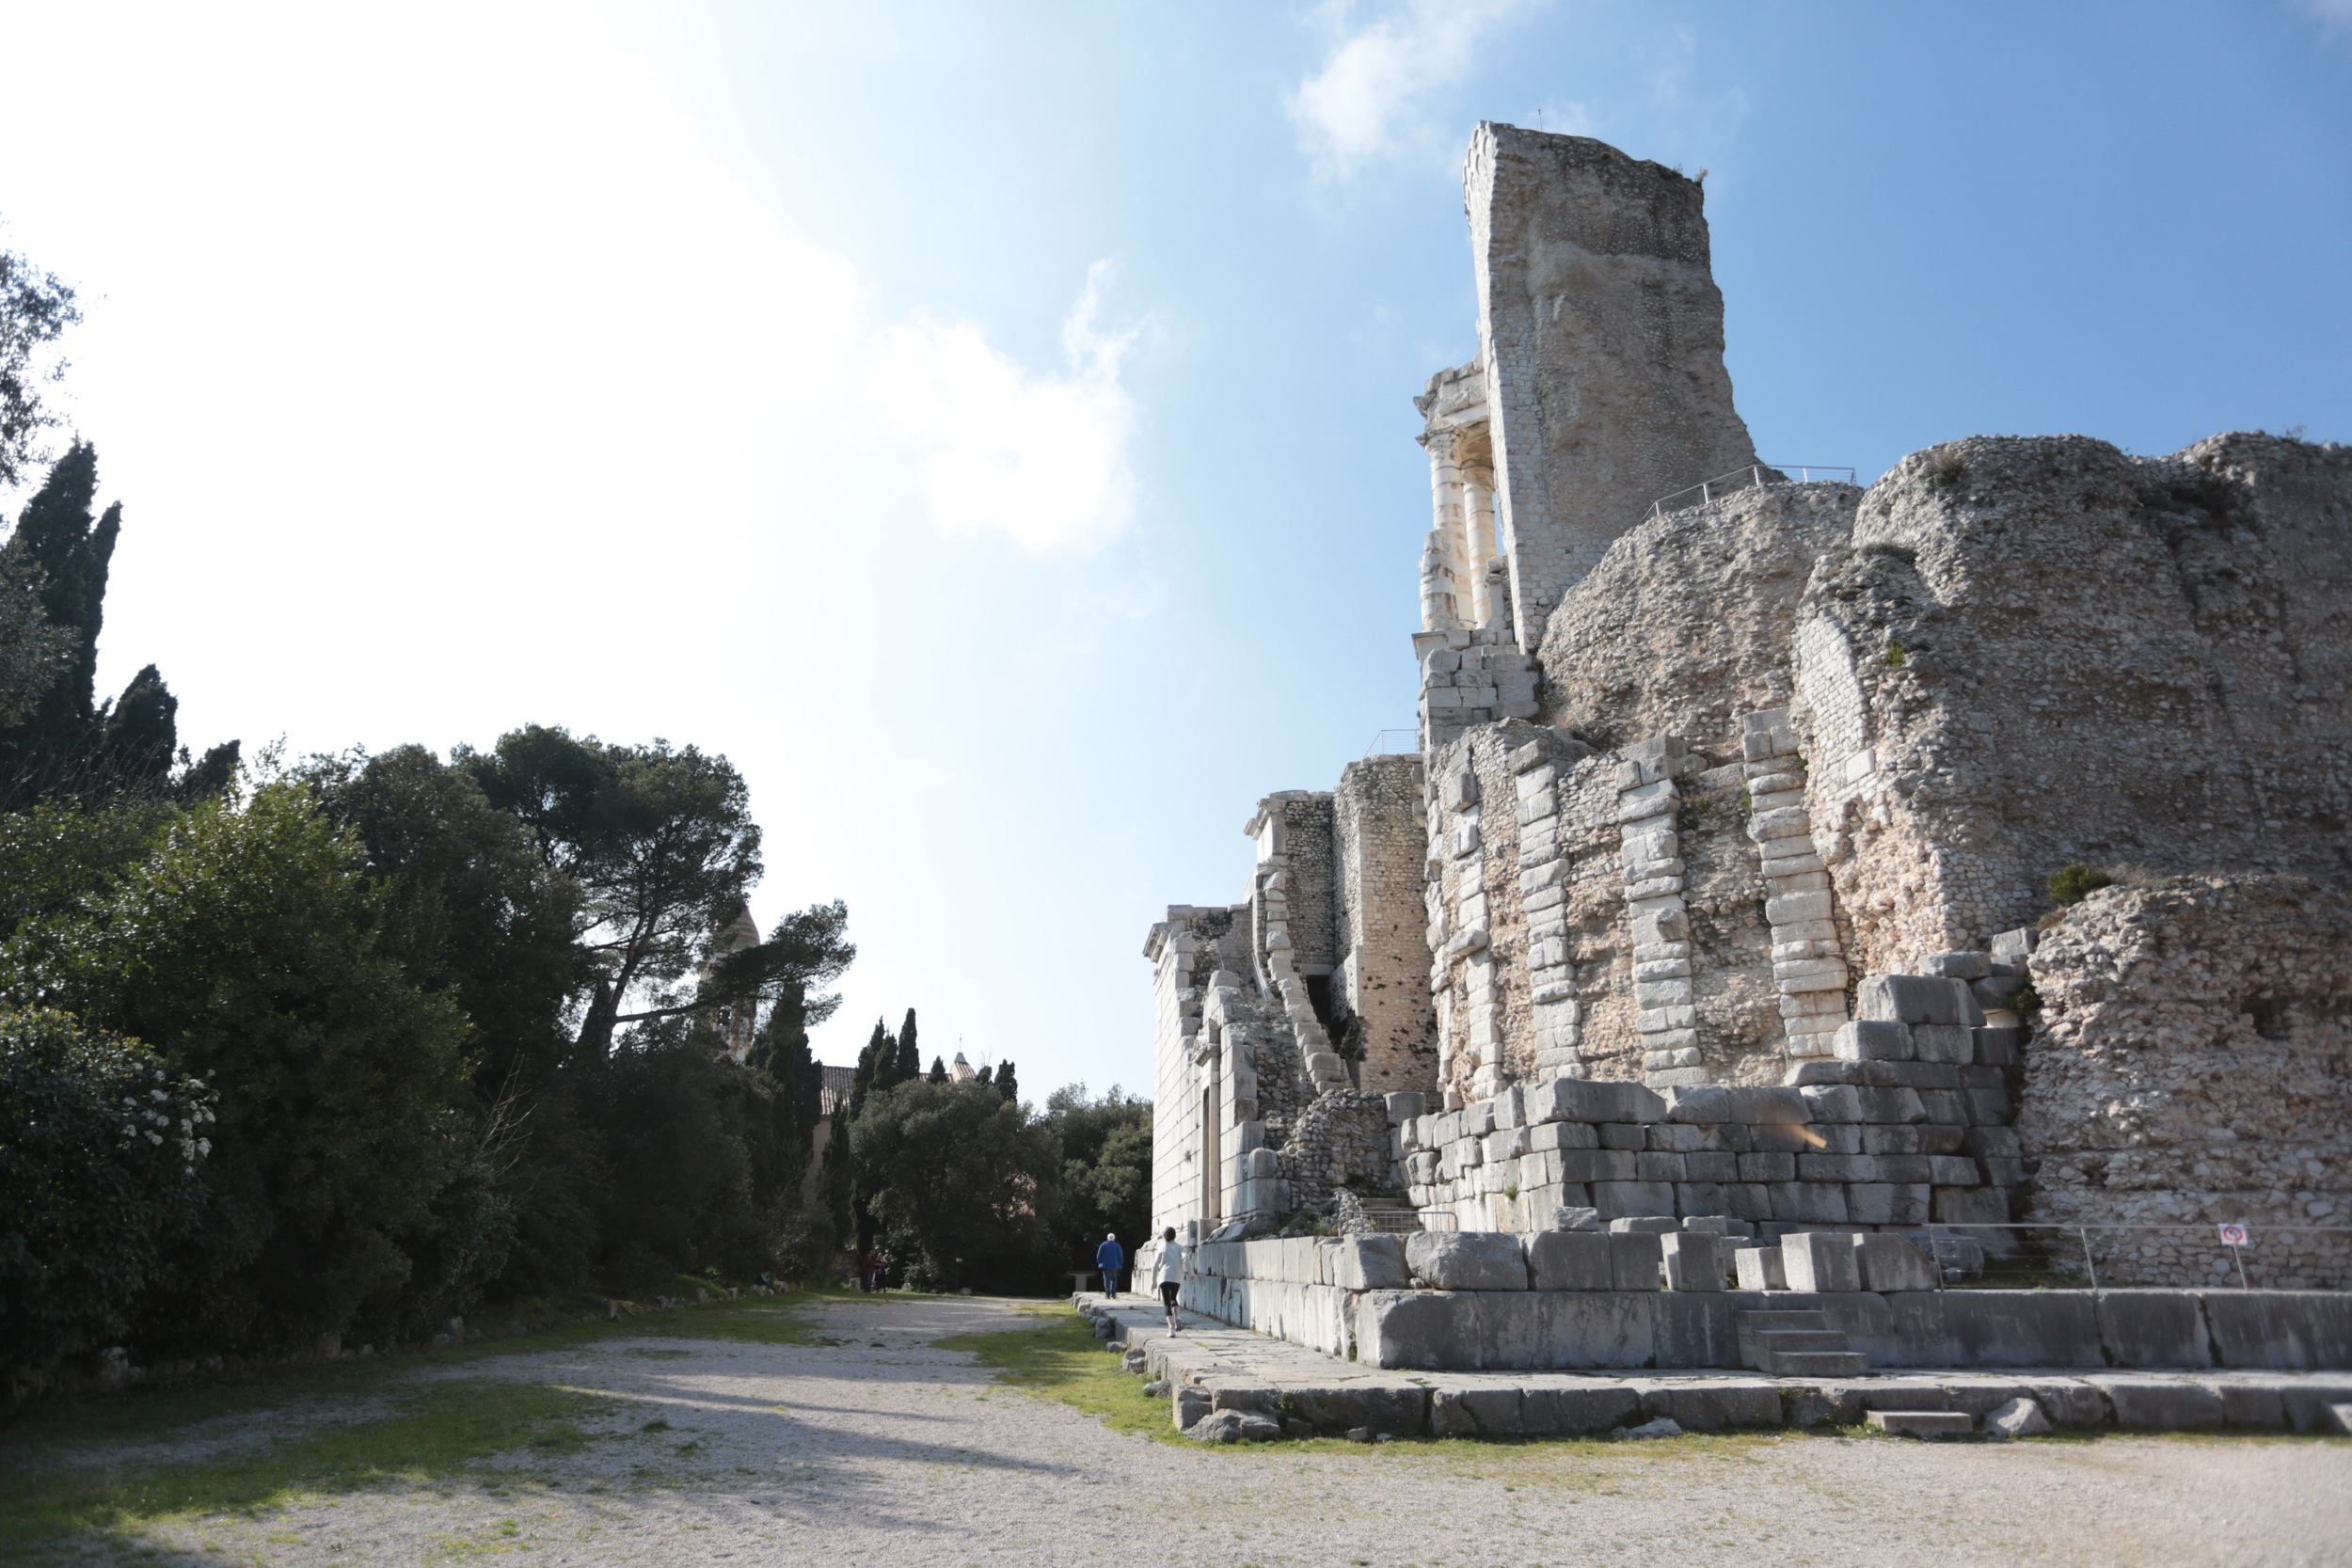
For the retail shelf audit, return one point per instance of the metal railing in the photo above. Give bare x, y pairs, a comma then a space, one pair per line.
2048, 1249
1384, 745
1749, 478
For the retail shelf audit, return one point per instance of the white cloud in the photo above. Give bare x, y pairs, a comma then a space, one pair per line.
2333, 16
1369, 100
1042, 458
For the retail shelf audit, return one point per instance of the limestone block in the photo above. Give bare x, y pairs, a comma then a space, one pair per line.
2159, 1404
1714, 1403
1952, 1170
1702, 1104
1597, 1165
1563, 1136
1809, 1202
1907, 999
1405, 1106
1890, 1104
2282, 1330
1822, 1261
1767, 1104
1943, 1042
1870, 1039
2152, 1328
1710, 1164
1796, 906
1972, 1205
1369, 1264
1887, 1262
1887, 1202
1616, 1198
1691, 1262
1998, 1046
1466, 1260
1765, 1167
1593, 1100
1789, 822
1759, 1268
1797, 977
1634, 1260
1651, 1166
2020, 1418
1570, 1260
1832, 1102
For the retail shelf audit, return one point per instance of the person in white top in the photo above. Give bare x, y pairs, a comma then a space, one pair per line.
1174, 1268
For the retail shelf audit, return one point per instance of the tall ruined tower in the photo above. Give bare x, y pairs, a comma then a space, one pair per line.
1600, 337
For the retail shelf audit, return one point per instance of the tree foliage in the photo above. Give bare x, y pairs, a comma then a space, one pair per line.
100, 1154
958, 1179
246, 947
35, 311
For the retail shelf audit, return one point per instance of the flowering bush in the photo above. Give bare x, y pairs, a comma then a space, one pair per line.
101, 1156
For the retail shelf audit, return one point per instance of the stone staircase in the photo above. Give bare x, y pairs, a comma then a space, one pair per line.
1796, 1344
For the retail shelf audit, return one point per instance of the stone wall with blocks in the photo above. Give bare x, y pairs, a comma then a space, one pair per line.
1760, 792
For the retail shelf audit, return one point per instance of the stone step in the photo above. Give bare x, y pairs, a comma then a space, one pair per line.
1814, 1363
1922, 1423
1784, 1339
1790, 1318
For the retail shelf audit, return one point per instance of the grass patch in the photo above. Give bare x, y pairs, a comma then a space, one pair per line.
433, 1433
1063, 1360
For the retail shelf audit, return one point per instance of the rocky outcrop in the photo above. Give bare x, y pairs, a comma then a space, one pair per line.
1684, 625
2193, 1065
2039, 650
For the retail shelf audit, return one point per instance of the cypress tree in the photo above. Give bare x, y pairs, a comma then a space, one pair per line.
909, 1059
1005, 1084
939, 1071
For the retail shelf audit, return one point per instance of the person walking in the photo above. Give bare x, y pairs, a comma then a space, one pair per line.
1111, 1257
1175, 1267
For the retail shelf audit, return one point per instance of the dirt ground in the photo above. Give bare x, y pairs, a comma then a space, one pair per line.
872, 1444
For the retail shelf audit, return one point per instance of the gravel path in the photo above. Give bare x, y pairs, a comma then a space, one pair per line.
880, 1448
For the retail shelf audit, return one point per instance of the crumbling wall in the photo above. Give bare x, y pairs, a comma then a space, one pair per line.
2039, 650
1603, 333
1684, 625
2192, 1065
1381, 844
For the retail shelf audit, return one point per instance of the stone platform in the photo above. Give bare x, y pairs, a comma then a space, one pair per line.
1211, 1367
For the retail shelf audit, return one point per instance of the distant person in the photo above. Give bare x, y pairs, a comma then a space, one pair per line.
1110, 1258
871, 1267
1175, 1263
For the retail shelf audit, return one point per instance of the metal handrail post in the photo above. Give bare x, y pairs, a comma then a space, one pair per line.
1936, 1255
2089, 1262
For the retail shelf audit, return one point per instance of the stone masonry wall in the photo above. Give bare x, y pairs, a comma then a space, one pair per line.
1684, 625
1381, 842
1602, 334
2039, 650
2193, 1065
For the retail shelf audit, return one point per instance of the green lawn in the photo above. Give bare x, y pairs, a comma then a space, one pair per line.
1062, 1359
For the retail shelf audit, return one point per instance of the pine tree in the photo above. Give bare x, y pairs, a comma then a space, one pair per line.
909, 1059
138, 734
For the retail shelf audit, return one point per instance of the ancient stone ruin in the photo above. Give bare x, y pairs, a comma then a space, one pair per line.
1707, 938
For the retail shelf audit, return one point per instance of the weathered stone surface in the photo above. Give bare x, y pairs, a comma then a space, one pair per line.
2019, 1418
1234, 1426
2160, 1404
1889, 1264
2152, 1328
2284, 1330
2192, 1066
1466, 1260
1602, 334
1820, 1261
1570, 1261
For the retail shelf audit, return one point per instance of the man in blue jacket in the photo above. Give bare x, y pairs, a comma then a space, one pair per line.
1111, 1257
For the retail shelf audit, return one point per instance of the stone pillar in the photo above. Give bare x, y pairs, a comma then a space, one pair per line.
1446, 579
1543, 892
1647, 801
1808, 964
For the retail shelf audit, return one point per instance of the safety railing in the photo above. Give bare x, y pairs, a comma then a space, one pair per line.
2047, 1253
1755, 474
1392, 742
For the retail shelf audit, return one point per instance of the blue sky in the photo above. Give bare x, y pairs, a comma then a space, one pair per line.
991, 426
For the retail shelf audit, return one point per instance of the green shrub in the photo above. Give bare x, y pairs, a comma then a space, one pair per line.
2075, 882
101, 1152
